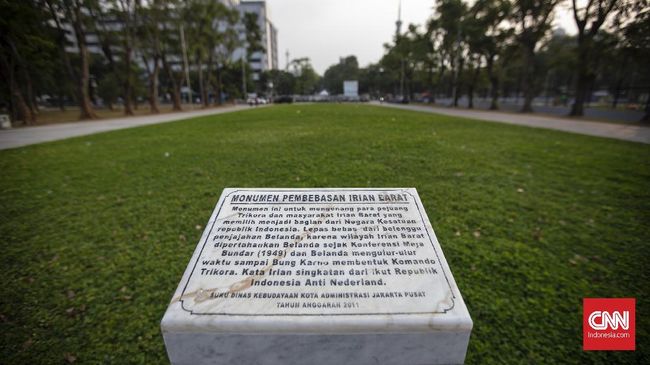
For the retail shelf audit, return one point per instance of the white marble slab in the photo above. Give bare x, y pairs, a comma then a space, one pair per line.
294, 276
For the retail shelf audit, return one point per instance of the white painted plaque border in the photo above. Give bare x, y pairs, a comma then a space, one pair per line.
432, 239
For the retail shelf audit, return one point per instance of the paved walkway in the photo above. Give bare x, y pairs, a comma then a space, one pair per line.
12, 138
608, 130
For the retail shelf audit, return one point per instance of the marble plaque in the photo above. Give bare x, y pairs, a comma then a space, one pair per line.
343, 267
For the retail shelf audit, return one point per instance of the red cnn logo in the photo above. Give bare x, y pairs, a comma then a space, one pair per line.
608, 324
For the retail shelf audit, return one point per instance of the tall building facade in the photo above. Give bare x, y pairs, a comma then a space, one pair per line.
266, 59
260, 61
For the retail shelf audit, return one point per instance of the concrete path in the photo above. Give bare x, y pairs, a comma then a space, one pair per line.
545, 107
12, 138
623, 132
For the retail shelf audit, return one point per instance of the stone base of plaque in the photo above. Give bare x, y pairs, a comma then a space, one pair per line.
444, 347
317, 276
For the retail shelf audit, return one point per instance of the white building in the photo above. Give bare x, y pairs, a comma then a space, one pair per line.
267, 59
259, 61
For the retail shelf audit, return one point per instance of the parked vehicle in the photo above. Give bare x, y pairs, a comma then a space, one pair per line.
283, 99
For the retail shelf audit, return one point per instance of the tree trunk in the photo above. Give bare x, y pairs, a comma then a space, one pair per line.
458, 83
19, 108
470, 96
24, 112
617, 93
528, 78
203, 89
430, 86
582, 84
153, 87
440, 75
28, 115
646, 117
585, 45
61, 40
218, 86
208, 78
176, 98
85, 105
494, 103
128, 88
619, 83
472, 85
31, 98
176, 92
494, 83
61, 97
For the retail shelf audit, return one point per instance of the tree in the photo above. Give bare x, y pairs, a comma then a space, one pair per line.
558, 62
170, 49
589, 19
25, 41
253, 39
532, 19
424, 58
231, 81
253, 34
75, 12
116, 26
306, 79
441, 53
412, 58
407, 66
475, 29
109, 89
223, 45
200, 16
346, 69
636, 35
125, 12
149, 31
489, 37
450, 20
374, 80
391, 68
283, 81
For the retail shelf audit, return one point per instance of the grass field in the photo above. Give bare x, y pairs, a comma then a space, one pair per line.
96, 231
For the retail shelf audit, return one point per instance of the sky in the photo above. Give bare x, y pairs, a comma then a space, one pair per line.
325, 30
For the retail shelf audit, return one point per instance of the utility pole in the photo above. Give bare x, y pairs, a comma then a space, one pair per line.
187, 68
286, 55
398, 32
398, 23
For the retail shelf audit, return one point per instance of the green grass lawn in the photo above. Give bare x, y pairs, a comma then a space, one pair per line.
96, 231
